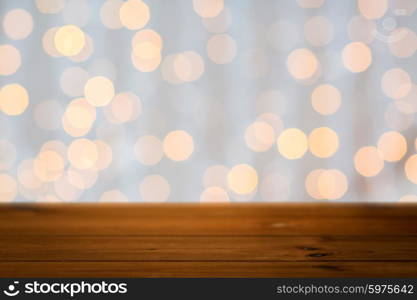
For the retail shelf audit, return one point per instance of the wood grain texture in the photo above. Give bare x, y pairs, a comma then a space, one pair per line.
195, 240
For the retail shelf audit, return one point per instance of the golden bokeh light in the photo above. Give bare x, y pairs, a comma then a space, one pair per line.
292, 143
273, 120
216, 176
214, 194
302, 63
26, 176
50, 6
69, 40
48, 42
208, 8
82, 179
82, 153
124, 107
392, 146
109, 14
326, 99
149, 150
242, 179
410, 168
48, 166
369, 161
357, 57
99, 91
8, 188
373, 9
10, 60
113, 196
221, 48
65, 190
178, 145
85, 52
134, 14
329, 184
396, 83
18, 24
14, 99
402, 42
323, 142
154, 188
408, 199
105, 155
259, 136
318, 31
80, 114
188, 66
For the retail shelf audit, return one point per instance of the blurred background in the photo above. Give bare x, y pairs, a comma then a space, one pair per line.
208, 101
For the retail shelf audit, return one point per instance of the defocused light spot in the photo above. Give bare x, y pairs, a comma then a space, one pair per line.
408, 198
134, 14
219, 23
368, 161
82, 153
275, 188
113, 196
302, 63
221, 48
318, 31
99, 91
361, 29
392, 146
410, 168
82, 179
109, 14
323, 142
14, 99
105, 155
18, 24
26, 176
148, 150
332, 184
259, 136
69, 40
56, 146
78, 117
72, 81
10, 60
356, 57
50, 6
8, 154
292, 143
214, 194
154, 188
402, 42
326, 99
85, 52
373, 9
48, 166
178, 145
216, 176
188, 66
273, 120
208, 8
8, 188
396, 83
48, 42
65, 190
124, 107
47, 114
326, 184
242, 179
310, 3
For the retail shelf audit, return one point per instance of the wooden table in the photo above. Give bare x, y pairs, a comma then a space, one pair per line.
195, 240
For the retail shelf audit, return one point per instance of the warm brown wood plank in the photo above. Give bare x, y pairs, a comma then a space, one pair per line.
186, 248
208, 269
189, 219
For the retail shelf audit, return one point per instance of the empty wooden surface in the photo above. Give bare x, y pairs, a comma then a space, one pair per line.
195, 240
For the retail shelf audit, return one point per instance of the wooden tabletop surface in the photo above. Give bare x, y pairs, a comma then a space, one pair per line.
213, 240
